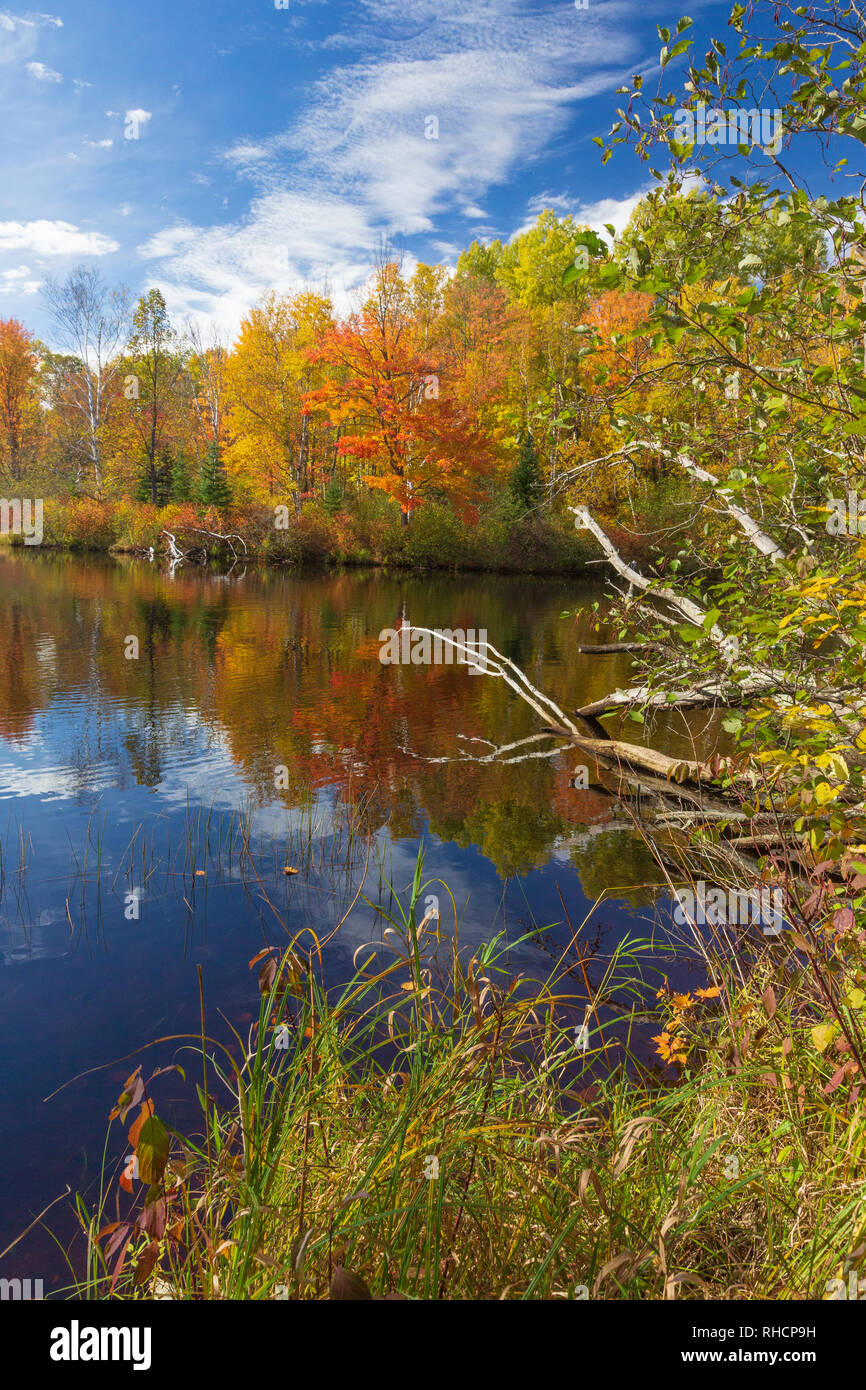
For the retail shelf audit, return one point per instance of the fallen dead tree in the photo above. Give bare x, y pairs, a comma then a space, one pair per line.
200, 554
712, 789
615, 754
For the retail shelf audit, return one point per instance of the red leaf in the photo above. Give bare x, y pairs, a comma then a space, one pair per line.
146, 1262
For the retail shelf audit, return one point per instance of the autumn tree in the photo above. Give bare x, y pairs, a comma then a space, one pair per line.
548, 273
19, 366
403, 410
278, 447
207, 368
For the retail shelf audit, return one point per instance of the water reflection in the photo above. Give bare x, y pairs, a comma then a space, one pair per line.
257, 705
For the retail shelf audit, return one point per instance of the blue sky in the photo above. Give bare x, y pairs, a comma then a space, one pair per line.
221, 148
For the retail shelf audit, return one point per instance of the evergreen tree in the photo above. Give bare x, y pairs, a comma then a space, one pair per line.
181, 489
155, 483
213, 487
525, 484
333, 498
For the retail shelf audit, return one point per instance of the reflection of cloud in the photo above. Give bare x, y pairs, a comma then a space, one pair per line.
45, 939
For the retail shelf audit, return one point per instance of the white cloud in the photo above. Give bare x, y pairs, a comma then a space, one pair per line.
137, 115
244, 152
43, 73
99, 144
285, 242
16, 280
616, 211
45, 238
21, 34
79, 84
502, 82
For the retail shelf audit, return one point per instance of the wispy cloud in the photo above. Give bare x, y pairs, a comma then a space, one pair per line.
449, 99
19, 34
43, 73
17, 280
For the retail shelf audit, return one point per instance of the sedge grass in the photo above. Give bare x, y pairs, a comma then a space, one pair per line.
436, 1129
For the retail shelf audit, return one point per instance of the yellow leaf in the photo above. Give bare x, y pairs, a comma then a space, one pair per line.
822, 1035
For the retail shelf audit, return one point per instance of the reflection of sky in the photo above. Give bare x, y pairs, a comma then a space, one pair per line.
100, 984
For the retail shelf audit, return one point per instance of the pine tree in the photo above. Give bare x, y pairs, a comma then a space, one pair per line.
525, 484
213, 487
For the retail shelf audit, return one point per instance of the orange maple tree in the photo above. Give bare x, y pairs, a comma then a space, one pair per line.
401, 408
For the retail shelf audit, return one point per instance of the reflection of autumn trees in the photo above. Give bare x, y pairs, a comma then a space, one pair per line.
616, 862
18, 675
283, 672
515, 836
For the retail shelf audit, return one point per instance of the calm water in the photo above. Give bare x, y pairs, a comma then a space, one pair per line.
120, 778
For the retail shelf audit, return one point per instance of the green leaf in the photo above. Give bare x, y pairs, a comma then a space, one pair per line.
152, 1150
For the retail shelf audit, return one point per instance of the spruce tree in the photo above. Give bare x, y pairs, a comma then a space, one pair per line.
181, 490
213, 487
525, 485
155, 483
333, 498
